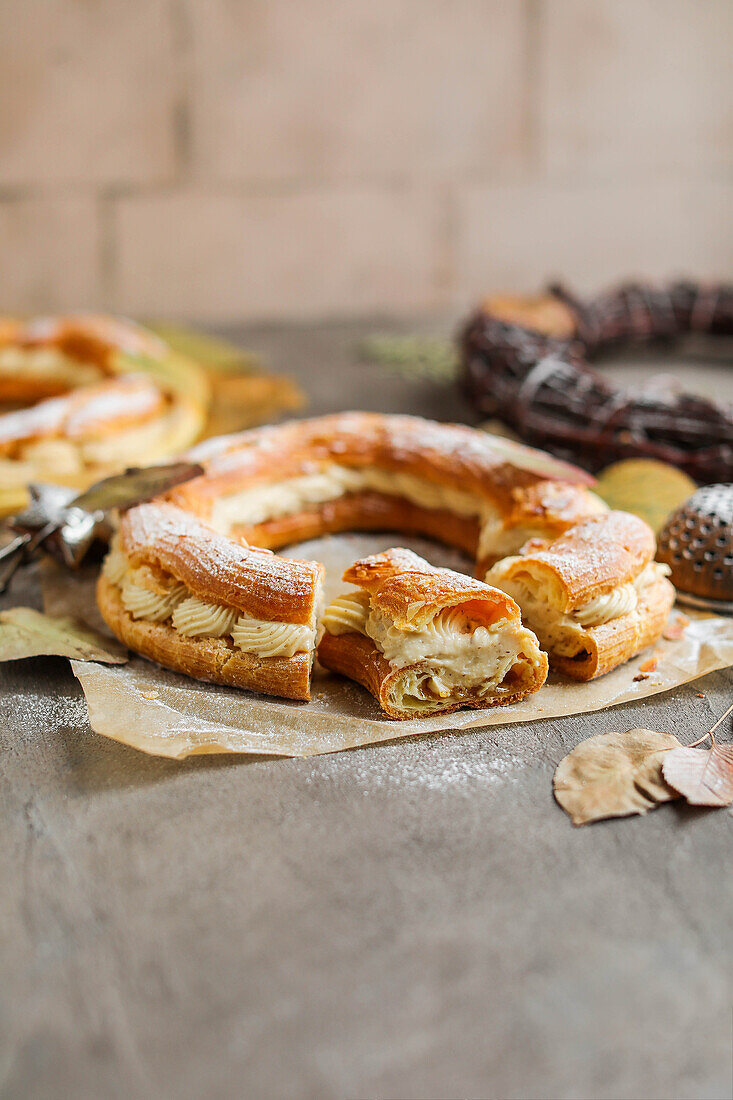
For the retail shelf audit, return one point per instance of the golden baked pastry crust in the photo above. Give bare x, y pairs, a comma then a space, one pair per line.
410, 592
524, 487
92, 413
587, 562
367, 511
613, 643
590, 558
517, 492
220, 569
103, 393
449, 454
357, 657
212, 659
91, 340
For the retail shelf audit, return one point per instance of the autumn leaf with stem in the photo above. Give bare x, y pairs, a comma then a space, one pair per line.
703, 776
616, 774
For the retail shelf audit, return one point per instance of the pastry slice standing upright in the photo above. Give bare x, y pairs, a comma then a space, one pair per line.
198, 602
595, 597
424, 640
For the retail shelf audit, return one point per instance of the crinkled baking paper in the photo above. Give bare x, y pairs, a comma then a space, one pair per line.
167, 714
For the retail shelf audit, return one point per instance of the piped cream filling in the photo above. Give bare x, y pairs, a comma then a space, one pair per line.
452, 656
145, 603
564, 633
115, 564
195, 618
264, 502
149, 439
145, 596
497, 541
46, 364
44, 459
261, 503
272, 639
347, 614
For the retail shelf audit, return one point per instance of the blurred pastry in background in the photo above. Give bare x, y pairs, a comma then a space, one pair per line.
48, 356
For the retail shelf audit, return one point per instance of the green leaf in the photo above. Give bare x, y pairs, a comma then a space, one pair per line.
210, 351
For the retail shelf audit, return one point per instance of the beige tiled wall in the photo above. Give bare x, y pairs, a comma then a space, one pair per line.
236, 159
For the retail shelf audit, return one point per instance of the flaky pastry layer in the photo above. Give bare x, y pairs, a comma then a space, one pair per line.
256, 482
201, 603
47, 356
214, 659
217, 568
103, 394
300, 480
423, 640
594, 596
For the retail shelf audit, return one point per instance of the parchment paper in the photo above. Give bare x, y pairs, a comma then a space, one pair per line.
167, 714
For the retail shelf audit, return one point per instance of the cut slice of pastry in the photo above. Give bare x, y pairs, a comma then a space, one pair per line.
198, 602
424, 640
594, 596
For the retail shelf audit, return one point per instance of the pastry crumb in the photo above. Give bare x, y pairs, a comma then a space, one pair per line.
673, 631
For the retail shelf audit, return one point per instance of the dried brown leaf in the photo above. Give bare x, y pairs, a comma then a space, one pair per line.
613, 775
28, 633
703, 776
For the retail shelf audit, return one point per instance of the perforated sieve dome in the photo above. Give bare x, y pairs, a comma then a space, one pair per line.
697, 544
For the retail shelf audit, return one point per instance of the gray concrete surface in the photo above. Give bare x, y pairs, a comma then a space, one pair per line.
412, 920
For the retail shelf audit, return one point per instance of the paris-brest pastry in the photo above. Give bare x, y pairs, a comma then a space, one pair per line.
84, 396
190, 584
193, 600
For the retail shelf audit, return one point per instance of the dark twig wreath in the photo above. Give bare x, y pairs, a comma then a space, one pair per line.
543, 387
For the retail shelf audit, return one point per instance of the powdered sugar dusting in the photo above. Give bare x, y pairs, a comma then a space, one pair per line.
436, 451
454, 766
50, 712
125, 399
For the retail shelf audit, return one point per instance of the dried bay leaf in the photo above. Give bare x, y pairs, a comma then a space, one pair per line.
135, 485
25, 632
614, 774
703, 776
